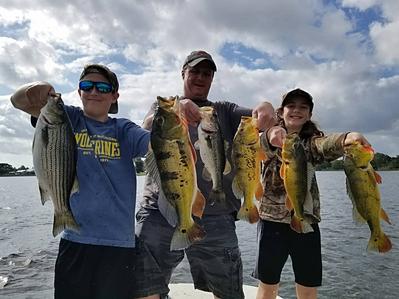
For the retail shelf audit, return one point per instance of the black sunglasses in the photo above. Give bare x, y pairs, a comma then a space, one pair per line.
102, 87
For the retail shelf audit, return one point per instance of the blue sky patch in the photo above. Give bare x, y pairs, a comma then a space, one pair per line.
250, 58
14, 31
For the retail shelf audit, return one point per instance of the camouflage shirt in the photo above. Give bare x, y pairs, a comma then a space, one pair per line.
318, 149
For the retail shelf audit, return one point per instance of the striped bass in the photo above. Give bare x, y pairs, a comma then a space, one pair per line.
54, 161
297, 174
362, 187
171, 163
212, 148
247, 156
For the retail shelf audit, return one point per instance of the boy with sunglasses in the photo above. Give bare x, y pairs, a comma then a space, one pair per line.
99, 261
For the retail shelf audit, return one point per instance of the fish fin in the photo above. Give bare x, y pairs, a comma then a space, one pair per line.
238, 193
262, 155
198, 206
357, 218
227, 167
197, 145
259, 191
167, 209
227, 154
206, 175
63, 221
75, 186
217, 195
176, 105
44, 195
384, 215
282, 170
193, 152
378, 178
250, 215
380, 243
151, 165
296, 224
184, 238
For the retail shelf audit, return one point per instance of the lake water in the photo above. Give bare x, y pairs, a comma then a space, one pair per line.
28, 249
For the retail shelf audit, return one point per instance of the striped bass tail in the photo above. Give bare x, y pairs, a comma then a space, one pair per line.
62, 221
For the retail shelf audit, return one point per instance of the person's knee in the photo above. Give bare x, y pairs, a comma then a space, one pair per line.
267, 291
304, 292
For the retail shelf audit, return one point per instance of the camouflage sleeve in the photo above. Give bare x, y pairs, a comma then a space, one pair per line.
327, 148
270, 150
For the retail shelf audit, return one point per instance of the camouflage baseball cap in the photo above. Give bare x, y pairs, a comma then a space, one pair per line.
196, 57
108, 74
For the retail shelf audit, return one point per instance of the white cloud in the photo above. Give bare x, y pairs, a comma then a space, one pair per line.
360, 4
385, 38
351, 74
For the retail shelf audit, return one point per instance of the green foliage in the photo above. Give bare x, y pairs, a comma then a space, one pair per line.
6, 168
380, 162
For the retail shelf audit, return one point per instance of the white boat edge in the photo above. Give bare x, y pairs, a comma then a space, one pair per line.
186, 290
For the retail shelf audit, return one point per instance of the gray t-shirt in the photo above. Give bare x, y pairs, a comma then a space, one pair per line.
229, 116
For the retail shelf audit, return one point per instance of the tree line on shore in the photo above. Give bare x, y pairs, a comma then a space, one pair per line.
380, 162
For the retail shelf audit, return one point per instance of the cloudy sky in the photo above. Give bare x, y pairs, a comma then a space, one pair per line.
344, 52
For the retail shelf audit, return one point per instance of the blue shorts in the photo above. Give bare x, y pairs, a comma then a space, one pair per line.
215, 262
277, 241
102, 272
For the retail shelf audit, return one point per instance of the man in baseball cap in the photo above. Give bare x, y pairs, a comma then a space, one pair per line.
196, 57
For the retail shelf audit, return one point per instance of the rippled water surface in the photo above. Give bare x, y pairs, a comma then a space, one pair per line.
28, 249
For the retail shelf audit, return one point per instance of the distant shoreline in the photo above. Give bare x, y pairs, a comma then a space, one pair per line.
142, 173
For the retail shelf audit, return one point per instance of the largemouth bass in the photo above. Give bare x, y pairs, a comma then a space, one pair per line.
212, 149
297, 174
171, 163
54, 161
362, 187
247, 156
